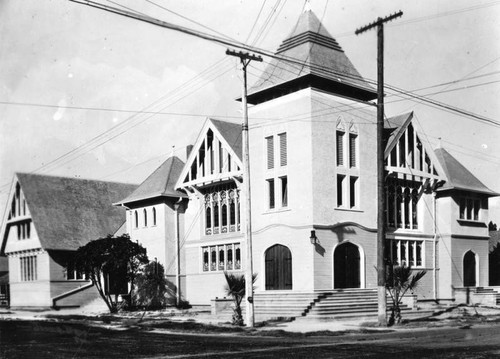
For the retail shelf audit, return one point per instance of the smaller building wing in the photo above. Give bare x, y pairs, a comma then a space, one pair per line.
67, 212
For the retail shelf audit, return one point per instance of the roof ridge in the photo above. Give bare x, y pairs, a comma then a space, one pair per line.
169, 172
73, 178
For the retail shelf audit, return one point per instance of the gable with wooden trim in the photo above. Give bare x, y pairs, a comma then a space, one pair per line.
216, 155
407, 153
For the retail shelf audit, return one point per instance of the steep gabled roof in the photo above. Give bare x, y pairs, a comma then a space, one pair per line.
418, 155
161, 183
394, 127
198, 169
231, 133
68, 213
459, 177
318, 61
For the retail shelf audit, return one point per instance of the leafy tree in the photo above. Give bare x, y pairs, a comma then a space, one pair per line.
399, 281
492, 227
235, 288
151, 287
115, 258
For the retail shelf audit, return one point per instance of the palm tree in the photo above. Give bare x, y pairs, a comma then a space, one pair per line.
235, 288
399, 281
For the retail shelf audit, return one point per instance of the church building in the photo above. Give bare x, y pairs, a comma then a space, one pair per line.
313, 190
313, 177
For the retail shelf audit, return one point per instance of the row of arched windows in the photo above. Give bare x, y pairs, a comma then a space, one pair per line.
144, 217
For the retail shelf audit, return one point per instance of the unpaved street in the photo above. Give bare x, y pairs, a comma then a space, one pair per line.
41, 339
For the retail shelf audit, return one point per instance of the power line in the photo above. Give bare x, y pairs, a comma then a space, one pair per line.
242, 46
190, 20
108, 135
256, 20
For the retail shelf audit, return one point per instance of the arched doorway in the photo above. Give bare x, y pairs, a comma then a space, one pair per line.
346, 266
278, 268
469, 269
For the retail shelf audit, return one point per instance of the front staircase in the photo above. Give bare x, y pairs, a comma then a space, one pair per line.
333, 304
347, 303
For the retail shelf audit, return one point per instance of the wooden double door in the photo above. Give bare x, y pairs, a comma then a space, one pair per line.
278, 268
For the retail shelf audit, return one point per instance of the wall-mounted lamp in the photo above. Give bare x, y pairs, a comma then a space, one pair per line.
313, 238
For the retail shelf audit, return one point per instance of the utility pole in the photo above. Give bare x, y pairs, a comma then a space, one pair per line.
381, 275
245, 59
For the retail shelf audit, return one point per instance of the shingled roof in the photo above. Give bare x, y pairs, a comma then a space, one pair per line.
321, 64
393, 127
232, 134
68, 213
459, 177
161, 183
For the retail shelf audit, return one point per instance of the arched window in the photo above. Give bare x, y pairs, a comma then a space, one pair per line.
154, 216
145, 217
136, 215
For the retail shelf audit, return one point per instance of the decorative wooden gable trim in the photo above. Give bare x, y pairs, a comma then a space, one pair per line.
211, 160
409, 154
17, 218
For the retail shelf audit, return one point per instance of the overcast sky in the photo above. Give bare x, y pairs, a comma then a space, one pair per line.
73, 78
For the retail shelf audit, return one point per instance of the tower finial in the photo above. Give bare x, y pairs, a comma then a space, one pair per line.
307, 6
172, 154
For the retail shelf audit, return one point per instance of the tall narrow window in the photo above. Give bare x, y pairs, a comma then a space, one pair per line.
136, 219
270, 186
353, 139
340, 148
154, 216
224, 214
205, 259
28, 268
283, 149
232, 214
216, 215
477, 205
340, 190
270, 152
229, 261
145, 217
208, 217
353, 195
284, 191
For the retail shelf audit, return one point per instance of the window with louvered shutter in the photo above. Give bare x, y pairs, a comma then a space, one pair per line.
283, 154
270, 152
352, 150
340, 148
